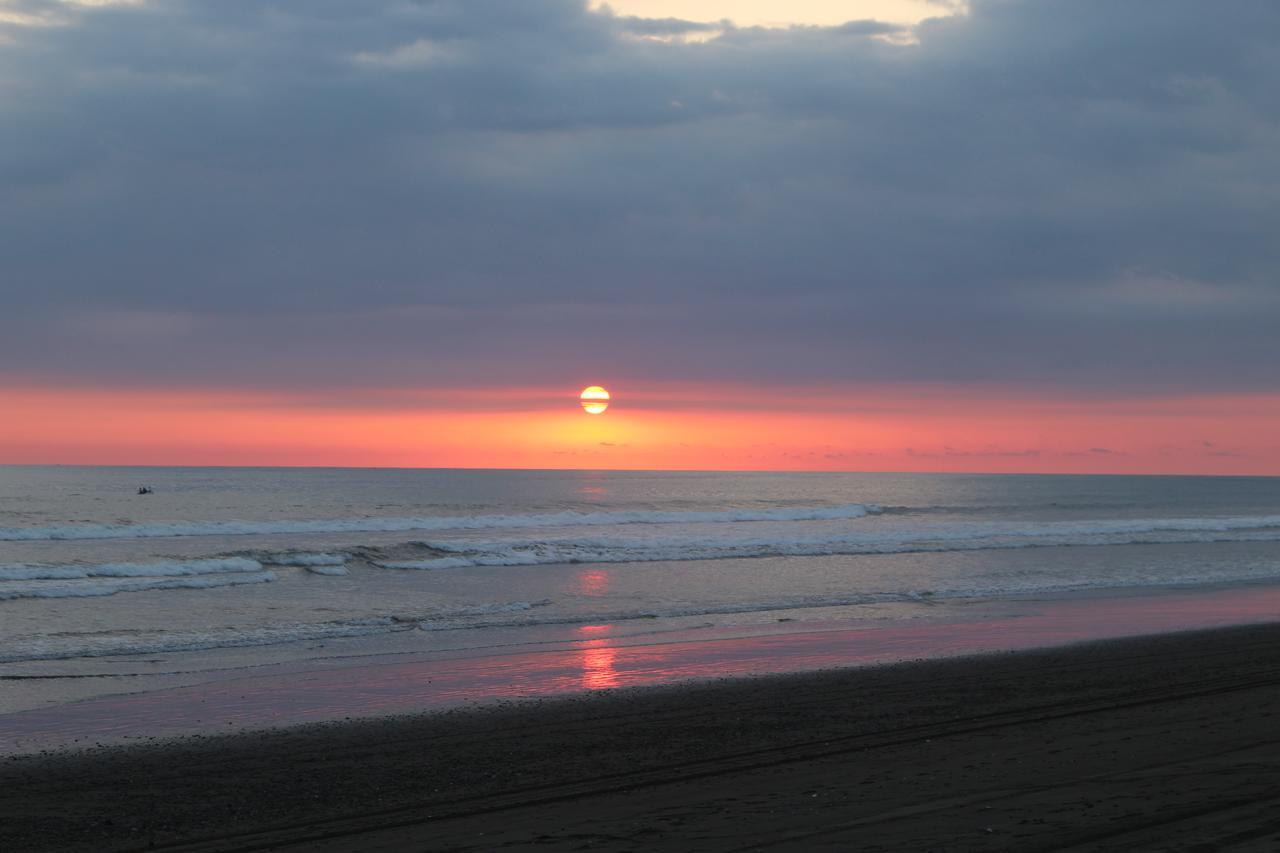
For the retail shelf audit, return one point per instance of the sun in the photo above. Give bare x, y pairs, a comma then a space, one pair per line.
594, 400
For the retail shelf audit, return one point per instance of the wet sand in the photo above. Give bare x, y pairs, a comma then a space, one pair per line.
136, 705
1158, 743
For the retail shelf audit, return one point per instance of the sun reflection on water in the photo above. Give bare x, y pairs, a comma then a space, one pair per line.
599, 657
592, 582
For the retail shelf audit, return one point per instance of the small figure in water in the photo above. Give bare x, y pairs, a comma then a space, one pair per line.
145, 490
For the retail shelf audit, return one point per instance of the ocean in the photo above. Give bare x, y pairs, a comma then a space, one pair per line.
293, 560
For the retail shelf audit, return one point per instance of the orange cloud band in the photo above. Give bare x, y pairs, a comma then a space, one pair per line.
917, 428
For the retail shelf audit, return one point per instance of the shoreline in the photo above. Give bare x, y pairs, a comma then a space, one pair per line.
1101, 740
589, 659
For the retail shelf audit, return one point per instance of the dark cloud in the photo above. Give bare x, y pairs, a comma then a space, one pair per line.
1077, 192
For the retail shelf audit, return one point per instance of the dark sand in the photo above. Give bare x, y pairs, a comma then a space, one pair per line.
1164, 743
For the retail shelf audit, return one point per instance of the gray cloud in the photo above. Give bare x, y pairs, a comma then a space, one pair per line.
663, 26
870, 28
1078, 192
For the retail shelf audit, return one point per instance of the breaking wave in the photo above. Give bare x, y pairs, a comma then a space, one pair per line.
16, 590
179, 568
432, 523
95, 581
958, 536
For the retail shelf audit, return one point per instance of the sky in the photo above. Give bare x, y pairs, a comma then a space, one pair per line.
1001, 235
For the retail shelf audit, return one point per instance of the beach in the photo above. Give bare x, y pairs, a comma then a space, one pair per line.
684, 425
1164, 742
672, 425
312, 659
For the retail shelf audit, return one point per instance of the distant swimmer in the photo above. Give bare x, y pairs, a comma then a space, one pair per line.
145, 490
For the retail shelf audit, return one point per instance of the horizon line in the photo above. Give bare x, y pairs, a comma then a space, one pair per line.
640, 470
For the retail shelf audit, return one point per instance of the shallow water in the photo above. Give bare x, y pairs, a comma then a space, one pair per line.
583, 660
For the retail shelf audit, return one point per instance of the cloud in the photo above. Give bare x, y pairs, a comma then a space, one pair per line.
414, 55
870, 28
664, 26
1075, 192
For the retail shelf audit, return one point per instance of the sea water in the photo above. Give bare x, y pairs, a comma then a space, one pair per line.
252, 564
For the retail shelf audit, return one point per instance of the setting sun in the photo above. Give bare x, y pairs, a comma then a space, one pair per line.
594, 400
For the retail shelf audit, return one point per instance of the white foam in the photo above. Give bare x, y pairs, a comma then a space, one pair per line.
431, 523
96, 589
173, 568
938, 537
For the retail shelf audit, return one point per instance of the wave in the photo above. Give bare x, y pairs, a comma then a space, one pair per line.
179, 568
518, 614
294, 558
958, 536
95, 581
103, 644
329, 571
15, 590
920, 597
676, 612
167, 529
62, 647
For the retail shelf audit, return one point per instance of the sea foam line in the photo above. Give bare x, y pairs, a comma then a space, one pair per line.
963, 536
15, 590
463, 522
63, 647
176, 568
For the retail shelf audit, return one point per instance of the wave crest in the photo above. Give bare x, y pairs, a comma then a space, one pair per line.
567, 518
941, 537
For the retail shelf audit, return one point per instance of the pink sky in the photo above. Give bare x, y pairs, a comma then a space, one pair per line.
732, 427
881, 234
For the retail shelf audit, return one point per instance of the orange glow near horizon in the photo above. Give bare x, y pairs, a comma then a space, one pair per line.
863, 428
